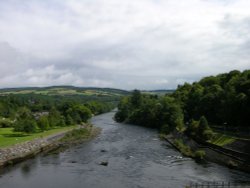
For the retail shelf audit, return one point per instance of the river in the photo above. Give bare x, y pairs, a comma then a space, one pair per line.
136, 158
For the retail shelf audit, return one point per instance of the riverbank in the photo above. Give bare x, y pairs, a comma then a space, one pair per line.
135, 156
22, 151
9, 138
214, 153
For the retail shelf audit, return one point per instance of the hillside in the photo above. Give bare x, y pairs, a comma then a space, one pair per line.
65, 90
159, 92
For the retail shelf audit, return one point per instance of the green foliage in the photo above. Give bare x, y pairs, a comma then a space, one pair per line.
24, 110
24, 113
192, 128
83, 112
123, 110
163, 112
203, 125
223, 99
200, 129
200, 154
184, 149
62, 122
208, 134
54, 117
69, 120
43, 123
25, 122
25, 125
136, 99
165, 129
4, 123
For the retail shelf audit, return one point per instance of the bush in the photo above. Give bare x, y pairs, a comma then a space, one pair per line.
5, 123
208, 134
165, 129
203, 125
192, 128
184, 149
26, 125
69, 120
200, 154
43, 123
62, 122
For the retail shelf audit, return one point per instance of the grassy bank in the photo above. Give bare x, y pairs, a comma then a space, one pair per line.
221, 139
9, 138
187, 151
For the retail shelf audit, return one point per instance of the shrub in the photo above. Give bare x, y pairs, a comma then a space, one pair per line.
208, 134
26, 125
5, 123
165, 129
192, 127
43, 123
200, 154
184, 149
203, 125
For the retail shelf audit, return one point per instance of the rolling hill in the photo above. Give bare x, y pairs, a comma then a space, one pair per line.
65, 91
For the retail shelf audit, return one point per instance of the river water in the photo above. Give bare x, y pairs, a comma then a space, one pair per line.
136, 158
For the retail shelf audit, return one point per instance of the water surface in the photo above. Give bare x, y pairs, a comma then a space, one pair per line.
136, 158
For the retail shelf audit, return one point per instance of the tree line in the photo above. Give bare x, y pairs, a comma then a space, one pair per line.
222, 100
33, 113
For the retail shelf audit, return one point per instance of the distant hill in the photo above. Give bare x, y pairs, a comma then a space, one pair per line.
65, 90
159, 92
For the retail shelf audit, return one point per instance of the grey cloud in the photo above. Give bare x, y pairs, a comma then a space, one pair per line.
125, 44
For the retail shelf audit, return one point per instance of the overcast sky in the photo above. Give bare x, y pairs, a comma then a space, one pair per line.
144, 44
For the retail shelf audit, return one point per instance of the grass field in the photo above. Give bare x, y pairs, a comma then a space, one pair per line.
9, 138
222, 140
64, 91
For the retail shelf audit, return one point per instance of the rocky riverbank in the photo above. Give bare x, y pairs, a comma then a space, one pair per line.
212, 152
22, 151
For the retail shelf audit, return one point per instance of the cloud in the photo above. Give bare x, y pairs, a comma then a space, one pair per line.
145, 44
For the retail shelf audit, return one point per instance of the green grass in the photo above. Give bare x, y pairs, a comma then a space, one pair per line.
184, 149
9, 138
222, 140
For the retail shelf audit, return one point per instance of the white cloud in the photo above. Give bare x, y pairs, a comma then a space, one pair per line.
147, 44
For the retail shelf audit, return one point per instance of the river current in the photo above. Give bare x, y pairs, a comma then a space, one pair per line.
136, 158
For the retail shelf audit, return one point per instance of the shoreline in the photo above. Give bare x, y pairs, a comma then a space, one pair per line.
213, 153
20, 152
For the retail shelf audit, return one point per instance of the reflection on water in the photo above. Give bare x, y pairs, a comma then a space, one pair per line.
135, 156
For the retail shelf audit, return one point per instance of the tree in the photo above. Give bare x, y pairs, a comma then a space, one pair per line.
25, 121
203, 125
136, 98
43, 123
54, 117
62, 122
69, 120
123, 110
83, 112
25, 125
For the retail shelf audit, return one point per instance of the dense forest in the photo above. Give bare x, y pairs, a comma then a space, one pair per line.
38, 112
221, 101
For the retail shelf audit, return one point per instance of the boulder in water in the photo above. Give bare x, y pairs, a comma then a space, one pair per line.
104, 163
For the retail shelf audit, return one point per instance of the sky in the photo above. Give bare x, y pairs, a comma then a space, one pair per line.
126, 44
